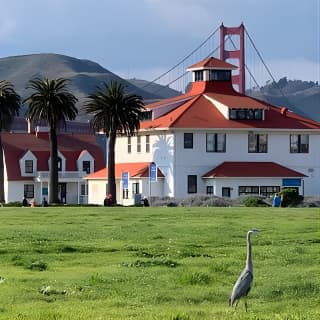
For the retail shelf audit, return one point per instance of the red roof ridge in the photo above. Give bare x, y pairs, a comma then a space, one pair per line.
251, 169
212, 63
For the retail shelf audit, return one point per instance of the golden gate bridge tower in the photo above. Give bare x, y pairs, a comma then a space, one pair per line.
238, 54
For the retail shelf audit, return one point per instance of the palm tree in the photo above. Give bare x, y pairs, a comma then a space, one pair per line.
116, 112
9, 108
53, 103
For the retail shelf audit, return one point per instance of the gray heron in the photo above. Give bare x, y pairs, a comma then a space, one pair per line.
244, 282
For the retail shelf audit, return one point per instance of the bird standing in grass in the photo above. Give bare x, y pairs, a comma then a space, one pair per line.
244, 282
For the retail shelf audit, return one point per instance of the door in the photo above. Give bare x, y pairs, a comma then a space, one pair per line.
62, 192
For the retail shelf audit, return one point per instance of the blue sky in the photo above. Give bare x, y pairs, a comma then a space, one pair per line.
143, 38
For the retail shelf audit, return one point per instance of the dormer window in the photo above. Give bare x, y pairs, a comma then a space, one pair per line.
245, 114
146, 115
198, 75
86, 166
28, 166
220, 75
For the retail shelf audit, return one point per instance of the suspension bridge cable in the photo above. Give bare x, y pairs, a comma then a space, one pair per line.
185, 73
184, 59
268, 70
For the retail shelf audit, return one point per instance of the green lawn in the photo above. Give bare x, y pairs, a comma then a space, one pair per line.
157, 263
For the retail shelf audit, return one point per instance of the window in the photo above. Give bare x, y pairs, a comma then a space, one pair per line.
86, 166
146, 115
135, 188
257, 143
268, 191
125, 193
243, 190
192, 184
299, 143
147, 143
83, 189
28, 166
188, 140
216, 142
28, 191
226, 192
59, 164
198, 75
129, 145
138, 143
220, 75
209, 189
245, 114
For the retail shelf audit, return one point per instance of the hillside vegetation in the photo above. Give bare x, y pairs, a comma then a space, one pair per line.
84, 75
301, 97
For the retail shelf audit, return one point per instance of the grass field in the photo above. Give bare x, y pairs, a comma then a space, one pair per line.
157, 263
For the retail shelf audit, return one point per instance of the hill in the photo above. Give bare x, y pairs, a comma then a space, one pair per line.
302, 97
84, 75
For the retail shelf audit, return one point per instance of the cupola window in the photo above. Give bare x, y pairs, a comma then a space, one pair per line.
198, 75
220, 75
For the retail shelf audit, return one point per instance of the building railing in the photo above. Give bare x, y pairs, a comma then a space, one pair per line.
44, 175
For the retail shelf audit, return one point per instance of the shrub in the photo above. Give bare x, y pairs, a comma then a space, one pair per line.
290, 197
254, 202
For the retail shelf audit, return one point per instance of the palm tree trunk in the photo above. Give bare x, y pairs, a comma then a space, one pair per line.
111, 168
54, 180
2, 198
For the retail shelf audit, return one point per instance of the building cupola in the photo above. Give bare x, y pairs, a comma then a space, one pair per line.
211, 69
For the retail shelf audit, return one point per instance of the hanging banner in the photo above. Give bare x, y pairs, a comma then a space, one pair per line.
153, 172
125, 180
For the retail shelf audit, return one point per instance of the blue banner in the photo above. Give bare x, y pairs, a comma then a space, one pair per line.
125, 180
153, 172
291, 182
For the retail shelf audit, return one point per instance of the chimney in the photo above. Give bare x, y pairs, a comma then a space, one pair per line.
42, 132
284, 111
30, 126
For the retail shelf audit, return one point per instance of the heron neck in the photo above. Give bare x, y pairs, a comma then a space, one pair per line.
249, 264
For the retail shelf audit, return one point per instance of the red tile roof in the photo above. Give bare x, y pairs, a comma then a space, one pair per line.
251, 169
136, 170
198, 109
212, 63
15, 145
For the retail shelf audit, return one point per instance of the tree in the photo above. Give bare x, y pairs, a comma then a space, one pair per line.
53, 103
9, 108
116, 112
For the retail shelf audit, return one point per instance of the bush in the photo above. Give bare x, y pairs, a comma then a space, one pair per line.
254, 202
290, 197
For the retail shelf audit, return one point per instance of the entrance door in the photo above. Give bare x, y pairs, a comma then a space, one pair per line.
226, 192
62, 192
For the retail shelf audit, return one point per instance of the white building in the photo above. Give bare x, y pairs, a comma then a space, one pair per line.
214, 140
27, 165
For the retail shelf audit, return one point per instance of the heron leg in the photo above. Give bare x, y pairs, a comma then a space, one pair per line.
236, 304
245, 304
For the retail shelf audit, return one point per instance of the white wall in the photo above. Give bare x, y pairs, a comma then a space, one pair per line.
197, 161
167, 151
